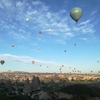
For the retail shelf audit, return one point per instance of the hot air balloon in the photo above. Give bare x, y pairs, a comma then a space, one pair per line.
98, 61
33, 62
74, 44
64, 50
76, 13
27, 19
12, 45
40, 32
38, 48
2, 62
49, 30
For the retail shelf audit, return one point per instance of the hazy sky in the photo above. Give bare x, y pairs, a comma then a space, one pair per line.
59, 33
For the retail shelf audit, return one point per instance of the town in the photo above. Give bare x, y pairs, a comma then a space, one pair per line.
40, 86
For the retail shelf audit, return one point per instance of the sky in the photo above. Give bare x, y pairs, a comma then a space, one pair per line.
59, 32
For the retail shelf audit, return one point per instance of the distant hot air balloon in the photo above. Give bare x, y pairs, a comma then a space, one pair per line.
64, 50
38, 48
49, 30
33, 62
78, 71
74, 68
76, 13
12, 45
74, 44
98, 61
40, 32
2, 62
27, 19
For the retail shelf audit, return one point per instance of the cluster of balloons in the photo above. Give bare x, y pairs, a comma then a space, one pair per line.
2, 62
75, 14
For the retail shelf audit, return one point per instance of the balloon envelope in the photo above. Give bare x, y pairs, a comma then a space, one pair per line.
49, 30
2, 62
33, 62
64, 50
40, 32
76, 13
38, 48
74, 44
27, 19
12, 45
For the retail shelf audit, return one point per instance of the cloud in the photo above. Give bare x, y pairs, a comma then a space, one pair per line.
83, 39
21, 35
28, 60
70, 34
85, 22
85, 28
40, 17
60, 41
94, 12
53, 33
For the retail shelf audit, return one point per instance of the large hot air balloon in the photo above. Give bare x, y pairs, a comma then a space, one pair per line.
76, 13
2, 62
33, 62
12, 45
